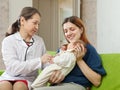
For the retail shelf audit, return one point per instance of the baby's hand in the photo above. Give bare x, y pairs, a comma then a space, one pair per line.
51, 62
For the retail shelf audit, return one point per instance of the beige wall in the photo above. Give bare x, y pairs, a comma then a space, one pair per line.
9, 11
89, 16
15, 6
3, 24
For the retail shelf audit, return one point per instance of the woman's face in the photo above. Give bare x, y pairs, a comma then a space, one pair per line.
30, 26
72, 32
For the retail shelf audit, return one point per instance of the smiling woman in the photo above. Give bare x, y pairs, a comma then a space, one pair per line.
88, 70
22, 59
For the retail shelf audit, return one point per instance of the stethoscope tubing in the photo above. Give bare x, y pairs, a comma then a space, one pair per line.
31, 43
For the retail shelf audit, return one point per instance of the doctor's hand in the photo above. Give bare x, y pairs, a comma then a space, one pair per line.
46, 58
56, 77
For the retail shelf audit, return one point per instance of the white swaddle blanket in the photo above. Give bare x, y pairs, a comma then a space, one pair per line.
64, 62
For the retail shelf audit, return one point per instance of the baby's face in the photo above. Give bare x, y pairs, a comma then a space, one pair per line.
63, 48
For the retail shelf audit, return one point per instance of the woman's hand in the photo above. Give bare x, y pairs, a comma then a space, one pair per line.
80, 51
56, 77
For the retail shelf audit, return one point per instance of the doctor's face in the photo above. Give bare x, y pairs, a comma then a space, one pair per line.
30, 26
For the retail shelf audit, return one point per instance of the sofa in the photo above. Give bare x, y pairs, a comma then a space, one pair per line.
111, 64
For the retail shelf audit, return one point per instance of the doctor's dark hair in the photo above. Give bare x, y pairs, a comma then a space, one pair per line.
27, 13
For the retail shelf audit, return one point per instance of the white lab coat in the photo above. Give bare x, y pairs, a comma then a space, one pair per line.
13, 52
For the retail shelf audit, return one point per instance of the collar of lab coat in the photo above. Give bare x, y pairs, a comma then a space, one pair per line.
19, 38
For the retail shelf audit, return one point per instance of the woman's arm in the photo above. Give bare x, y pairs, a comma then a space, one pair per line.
91, 75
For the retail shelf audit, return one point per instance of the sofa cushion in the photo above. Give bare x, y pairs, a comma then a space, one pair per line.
1, 71
111, 81
111, 63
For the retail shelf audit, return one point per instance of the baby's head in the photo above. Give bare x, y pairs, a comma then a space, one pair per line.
72, 45
63, 47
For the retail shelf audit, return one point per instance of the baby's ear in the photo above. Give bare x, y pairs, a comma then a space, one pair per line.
73, 51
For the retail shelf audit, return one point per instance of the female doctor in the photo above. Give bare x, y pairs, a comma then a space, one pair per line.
22, 52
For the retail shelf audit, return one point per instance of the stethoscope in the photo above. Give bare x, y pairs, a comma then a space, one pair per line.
28, 44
